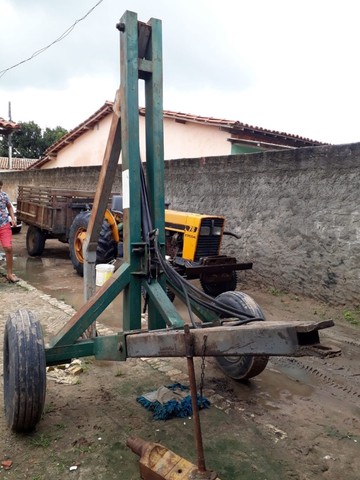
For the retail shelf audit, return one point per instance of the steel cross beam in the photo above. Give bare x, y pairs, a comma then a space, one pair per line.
263, 338
256, 338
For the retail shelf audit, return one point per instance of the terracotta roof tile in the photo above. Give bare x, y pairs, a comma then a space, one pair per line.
233, 124
6, 126
17, 163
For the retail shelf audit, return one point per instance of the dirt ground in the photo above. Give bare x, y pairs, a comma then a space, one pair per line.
298, 420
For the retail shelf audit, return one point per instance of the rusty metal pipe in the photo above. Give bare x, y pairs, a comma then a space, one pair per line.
193, 391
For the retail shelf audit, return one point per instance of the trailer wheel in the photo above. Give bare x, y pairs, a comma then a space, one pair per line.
24, 371
216, 288
106, 249
35, 241
245, 366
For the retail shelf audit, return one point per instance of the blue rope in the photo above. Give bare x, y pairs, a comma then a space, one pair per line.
173, 408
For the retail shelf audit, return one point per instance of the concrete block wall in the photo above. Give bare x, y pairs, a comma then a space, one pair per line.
76, 178
297, 212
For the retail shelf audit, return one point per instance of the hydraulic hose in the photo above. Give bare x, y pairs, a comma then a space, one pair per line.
190, 292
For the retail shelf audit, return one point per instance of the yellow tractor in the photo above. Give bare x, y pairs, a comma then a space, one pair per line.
192, 246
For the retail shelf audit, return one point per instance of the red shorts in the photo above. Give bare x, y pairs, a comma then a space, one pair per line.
6, 236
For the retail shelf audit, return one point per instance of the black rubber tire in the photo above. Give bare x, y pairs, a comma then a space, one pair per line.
106, 249
35, 241
246, 366
215, 289
24, 371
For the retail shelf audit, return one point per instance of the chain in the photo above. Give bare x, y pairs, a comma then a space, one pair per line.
202, 376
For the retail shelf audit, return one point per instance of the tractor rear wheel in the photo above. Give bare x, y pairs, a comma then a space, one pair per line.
35, 241
245, 366
106, 249
24, 371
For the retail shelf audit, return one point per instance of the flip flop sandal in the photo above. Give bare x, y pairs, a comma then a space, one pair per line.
13, 280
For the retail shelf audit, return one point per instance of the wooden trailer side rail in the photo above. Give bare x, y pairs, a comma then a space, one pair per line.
52, 210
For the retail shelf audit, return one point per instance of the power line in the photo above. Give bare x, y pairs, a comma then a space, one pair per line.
62, 36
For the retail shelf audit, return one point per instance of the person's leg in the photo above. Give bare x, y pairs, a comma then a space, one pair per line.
1, 236
9, 263
6, 240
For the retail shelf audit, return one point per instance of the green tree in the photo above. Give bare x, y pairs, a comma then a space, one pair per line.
29, 141
52, 135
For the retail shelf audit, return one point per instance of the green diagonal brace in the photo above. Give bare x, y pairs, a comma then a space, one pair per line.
163, 305
89, 312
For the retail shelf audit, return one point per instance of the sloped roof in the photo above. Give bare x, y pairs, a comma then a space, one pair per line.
243, 131
237, 130
17, 163
6, 126
74, 134
80, 129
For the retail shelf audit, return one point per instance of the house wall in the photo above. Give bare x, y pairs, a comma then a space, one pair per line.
89, 148
179, 140
297, 212
86, 150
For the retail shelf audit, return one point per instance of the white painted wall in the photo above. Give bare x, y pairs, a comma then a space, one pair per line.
191, 140
181, 140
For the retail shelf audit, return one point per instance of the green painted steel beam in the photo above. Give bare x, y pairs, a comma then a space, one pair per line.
89, 312
109, 347
206, 315
155, 155
162, 305
155, 130
129, 99
64, 354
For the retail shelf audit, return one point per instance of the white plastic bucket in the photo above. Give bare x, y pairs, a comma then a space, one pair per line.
103, 273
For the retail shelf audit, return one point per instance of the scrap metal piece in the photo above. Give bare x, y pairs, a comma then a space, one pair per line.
159, 463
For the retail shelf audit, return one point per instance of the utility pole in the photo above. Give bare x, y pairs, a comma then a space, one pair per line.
10, 141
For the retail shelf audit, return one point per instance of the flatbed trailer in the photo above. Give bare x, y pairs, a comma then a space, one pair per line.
63, 214
52, 210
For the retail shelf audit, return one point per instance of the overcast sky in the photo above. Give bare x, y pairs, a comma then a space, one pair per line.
290, 66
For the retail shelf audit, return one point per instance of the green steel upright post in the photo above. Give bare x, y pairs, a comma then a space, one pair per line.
129, 100
155, 150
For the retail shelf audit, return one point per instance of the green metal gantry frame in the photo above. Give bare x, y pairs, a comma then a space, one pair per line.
141, 58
